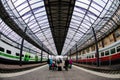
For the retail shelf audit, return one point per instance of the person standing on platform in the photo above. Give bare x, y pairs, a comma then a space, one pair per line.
70, 63
50, 63
66, 64
59, 64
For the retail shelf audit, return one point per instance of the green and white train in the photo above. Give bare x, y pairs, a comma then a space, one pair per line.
11, 54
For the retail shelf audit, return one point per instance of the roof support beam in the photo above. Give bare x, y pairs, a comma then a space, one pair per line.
59, 15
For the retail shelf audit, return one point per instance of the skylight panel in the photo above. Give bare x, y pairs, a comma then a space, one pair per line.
85, 1
82, 5
47, 32
79, 13
23, 11
26, 17
32, 26
97, 7
43, 21
92, 17
37, 6
86, 25
45, 26
21, 7
76, 17
18, 2
35, 1
82, 29
94, 11
42, 9
76, 9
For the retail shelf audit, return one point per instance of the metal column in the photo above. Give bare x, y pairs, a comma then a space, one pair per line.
76, 54
67, 55
41, 54
21, 49
48, 56
70, 53
97, 49
114, 37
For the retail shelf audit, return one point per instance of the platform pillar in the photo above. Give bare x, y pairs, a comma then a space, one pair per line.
70, 53
21, 48
97, 49
48, 56
41, 54
76, 54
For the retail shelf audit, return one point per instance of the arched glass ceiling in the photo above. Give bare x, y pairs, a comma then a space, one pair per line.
4, 29
8, 32
87, 14
31, 13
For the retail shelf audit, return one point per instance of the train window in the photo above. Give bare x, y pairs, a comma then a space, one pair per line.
118, 49
102, 53
17, 54
112, 51
106, 52
92, 56
2, 49
89, 56
8, 51
22, 55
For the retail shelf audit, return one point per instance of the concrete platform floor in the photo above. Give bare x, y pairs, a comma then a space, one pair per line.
44, 73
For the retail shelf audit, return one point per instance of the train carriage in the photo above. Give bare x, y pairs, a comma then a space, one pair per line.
107, 55
11, 54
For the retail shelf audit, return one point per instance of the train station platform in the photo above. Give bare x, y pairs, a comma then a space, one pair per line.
10, 68
43, 73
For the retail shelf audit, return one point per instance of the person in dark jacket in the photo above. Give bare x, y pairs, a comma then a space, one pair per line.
59, 64
66, 64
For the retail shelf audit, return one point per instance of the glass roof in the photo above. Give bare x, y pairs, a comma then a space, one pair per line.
8, 32
31, 13
87, 14
15, 37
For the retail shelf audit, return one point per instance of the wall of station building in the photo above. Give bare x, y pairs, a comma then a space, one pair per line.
111, 38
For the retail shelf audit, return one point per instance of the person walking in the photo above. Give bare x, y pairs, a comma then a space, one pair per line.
70, 63
66, 64
59, 64
50, 64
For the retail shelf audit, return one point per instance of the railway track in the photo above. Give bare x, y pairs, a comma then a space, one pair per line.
17, 68
102, 69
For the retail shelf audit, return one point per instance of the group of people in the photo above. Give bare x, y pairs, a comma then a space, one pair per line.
59, 64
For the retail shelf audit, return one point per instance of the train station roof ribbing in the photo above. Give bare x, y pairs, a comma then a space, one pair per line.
58, 26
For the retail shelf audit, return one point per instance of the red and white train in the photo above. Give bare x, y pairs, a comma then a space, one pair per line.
107, 55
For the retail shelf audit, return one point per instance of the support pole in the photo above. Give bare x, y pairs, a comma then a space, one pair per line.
70, 53
76, 54
21, 49
114, 37
41, 54
48, 56
97, 49
67, 55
